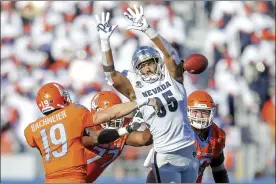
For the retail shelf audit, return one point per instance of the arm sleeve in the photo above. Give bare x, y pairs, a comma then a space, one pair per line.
221, 176
219, 172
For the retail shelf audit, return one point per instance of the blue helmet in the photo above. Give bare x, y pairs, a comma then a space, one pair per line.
145, 53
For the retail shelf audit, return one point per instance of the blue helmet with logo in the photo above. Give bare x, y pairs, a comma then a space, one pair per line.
143, 54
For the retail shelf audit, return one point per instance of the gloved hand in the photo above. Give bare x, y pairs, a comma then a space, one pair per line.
155, 103
105, 30
136, 122
139, 22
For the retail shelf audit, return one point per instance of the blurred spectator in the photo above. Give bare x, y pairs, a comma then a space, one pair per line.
268, 113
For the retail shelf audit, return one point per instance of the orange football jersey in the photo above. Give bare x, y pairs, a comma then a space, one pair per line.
101, 156
209, 149
58, 138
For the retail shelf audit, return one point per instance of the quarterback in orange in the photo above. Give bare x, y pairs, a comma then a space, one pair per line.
210, 139
65, 128
99, 157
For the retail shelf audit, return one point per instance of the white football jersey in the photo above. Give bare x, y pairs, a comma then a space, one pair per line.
170, 127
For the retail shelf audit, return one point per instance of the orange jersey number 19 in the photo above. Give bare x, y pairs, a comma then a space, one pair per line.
58, 141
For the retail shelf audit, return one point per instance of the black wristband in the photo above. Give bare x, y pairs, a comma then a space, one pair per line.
107, 136
129, 129
217, 161
108, 68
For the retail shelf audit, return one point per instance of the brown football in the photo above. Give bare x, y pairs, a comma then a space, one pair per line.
195, 64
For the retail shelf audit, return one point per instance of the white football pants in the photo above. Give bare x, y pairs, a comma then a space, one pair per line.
180, 166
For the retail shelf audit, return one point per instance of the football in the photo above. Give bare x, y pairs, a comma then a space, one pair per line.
195, 64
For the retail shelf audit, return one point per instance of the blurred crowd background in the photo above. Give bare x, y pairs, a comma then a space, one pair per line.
46, 41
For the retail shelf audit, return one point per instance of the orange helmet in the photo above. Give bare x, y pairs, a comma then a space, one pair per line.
103, 100
200, 100
52, 96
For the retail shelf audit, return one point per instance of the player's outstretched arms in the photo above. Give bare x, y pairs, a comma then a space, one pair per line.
124, 109
118, 111
218, 169
113, 77
171, 59
93, 137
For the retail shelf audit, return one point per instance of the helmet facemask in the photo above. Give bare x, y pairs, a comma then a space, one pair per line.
113, 124
200, 122
151, 78
147, 54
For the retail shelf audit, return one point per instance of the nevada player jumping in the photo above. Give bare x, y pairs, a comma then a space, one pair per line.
210, 139
152, 76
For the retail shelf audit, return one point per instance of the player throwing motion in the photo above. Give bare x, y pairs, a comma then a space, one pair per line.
210, 139
173, 139
99, 157
60, 134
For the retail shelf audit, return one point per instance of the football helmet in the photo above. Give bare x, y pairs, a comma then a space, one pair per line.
103, 100
145, 53
200, 100
52, 96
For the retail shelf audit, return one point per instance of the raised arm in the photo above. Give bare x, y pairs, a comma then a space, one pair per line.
123, 109
93, 137
113, 77
117, 111
171, 58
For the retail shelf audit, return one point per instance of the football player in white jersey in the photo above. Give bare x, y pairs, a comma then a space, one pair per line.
174, 157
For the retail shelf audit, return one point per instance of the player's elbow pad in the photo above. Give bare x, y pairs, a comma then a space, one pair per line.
107, 136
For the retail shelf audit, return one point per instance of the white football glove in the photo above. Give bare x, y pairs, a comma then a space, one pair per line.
155, 103
136, 122
138, 117
104, 28
139, 22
